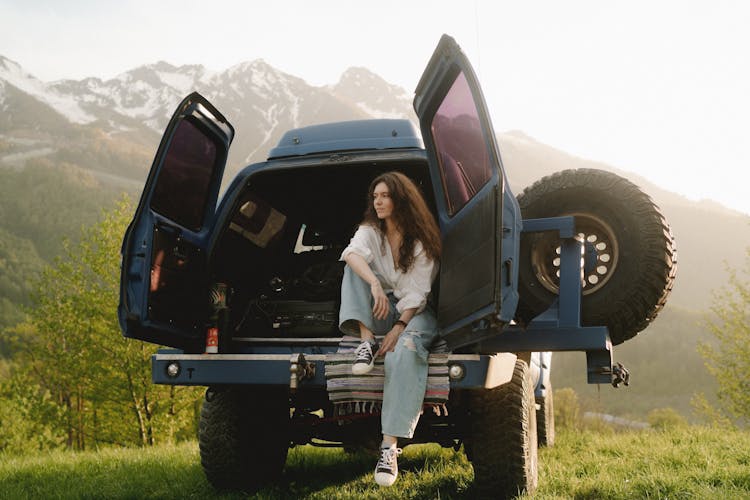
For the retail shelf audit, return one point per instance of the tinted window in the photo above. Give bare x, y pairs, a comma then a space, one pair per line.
460, 145
182, 188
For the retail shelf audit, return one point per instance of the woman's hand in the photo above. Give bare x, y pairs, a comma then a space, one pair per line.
381, 306
389, 341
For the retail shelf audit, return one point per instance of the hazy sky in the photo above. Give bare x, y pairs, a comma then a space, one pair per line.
660, 88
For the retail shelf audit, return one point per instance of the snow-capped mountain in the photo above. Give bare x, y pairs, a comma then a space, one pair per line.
11, 73
373, 95
260, 101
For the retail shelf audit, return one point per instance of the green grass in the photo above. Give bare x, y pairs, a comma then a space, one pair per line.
692, 462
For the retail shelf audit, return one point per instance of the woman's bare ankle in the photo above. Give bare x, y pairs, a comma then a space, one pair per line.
365, 333
389, 441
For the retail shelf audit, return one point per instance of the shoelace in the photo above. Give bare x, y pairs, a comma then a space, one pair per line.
364, 350
387, 457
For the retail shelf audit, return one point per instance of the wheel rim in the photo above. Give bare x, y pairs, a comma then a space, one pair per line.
599, 239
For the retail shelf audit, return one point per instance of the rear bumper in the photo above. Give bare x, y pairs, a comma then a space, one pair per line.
468, 370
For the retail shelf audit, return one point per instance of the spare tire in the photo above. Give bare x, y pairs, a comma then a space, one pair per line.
631, 256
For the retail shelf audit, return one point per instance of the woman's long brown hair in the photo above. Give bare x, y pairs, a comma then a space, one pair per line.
411, 215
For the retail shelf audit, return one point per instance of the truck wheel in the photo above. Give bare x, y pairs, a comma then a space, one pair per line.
243, 437
545, 419
503, 439
631, 255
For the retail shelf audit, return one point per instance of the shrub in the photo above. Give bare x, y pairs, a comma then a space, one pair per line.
665, 419
567, 409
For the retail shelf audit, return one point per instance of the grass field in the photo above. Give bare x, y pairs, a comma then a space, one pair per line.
690, 462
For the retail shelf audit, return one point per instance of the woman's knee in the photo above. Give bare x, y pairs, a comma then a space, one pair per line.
352, 282
424, 322
356, 301
410, 344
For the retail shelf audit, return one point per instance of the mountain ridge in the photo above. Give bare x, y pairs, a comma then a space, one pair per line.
149, 92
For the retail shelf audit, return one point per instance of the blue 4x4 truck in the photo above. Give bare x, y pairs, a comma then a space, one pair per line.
244, 291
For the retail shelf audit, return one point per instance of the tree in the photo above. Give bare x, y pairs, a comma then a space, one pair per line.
25, 413
728, 358
74, 353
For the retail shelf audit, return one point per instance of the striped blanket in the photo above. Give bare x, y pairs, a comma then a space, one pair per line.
352, 394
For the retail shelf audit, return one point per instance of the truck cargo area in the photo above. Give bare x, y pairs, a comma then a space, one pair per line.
279, 253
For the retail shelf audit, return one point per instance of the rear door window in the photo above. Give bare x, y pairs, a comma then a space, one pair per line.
182, 189
462, 151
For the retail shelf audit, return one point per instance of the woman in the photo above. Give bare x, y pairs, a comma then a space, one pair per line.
391, 264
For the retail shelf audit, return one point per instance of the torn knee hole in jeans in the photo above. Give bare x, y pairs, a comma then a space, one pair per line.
409, 344
409, 340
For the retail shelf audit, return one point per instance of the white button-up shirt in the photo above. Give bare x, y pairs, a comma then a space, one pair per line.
412, 287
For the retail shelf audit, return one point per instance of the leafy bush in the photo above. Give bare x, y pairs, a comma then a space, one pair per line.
728, 358
25, 412
567, 409
665, 419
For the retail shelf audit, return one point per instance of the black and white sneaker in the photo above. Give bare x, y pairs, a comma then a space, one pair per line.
364, 358
386, 471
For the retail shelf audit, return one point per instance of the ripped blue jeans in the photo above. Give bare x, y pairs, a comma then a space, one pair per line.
405, 367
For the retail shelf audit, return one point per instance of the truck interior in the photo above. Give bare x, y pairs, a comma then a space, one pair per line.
279, 250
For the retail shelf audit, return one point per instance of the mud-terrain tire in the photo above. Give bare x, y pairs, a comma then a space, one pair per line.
243, 436
628, 280
545, 419
502, 444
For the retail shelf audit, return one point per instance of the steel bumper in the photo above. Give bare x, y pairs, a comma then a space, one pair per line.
172, 367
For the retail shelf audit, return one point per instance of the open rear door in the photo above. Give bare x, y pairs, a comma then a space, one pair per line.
164, 283
467, 175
